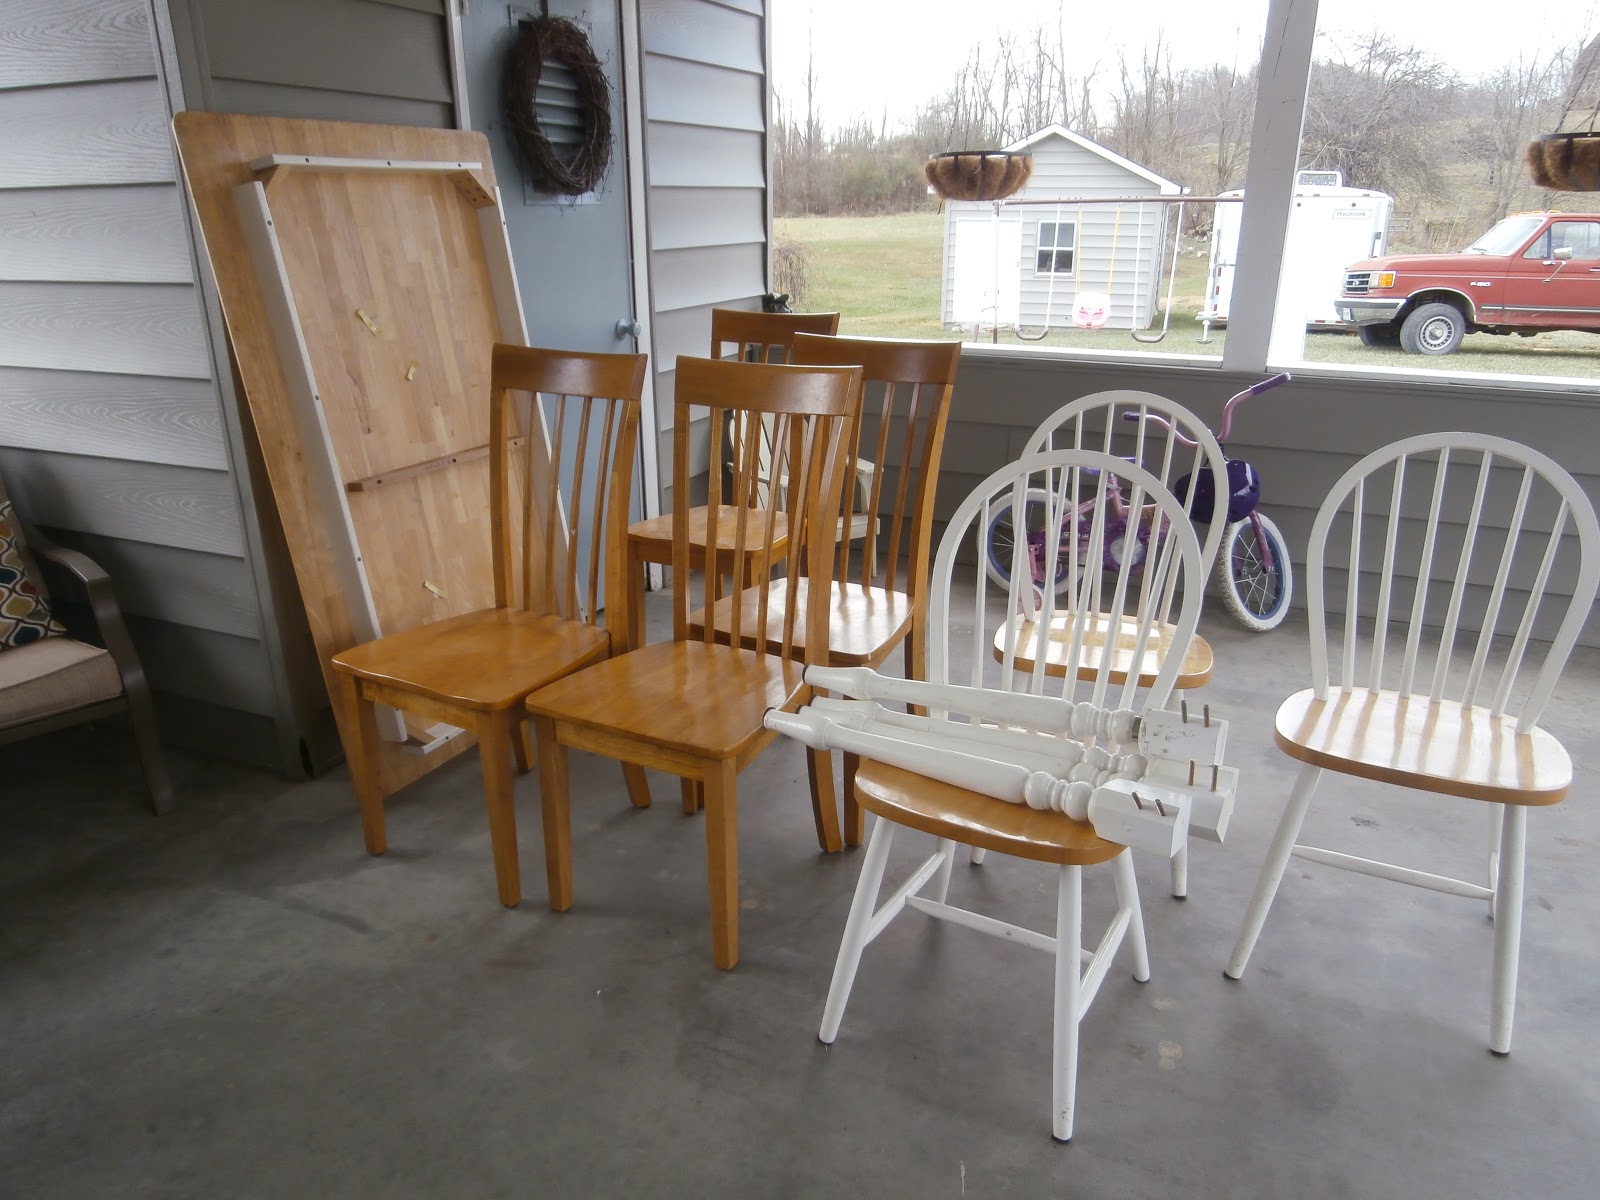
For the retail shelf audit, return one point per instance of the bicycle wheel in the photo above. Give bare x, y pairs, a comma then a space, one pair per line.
1258, 597
1000, 539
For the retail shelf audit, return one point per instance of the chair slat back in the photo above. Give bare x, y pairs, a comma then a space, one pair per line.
907, 387
1090, 612
561, 467
762, 337
1459, 551
1114, 423
812, 412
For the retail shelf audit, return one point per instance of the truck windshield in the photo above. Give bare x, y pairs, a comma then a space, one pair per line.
1507, 235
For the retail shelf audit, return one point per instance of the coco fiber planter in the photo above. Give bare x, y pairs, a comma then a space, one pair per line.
978, 174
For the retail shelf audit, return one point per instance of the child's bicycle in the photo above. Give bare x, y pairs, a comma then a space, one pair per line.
1253, 570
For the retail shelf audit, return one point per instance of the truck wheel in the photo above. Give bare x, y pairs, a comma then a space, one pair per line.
1435, 328
1379, 336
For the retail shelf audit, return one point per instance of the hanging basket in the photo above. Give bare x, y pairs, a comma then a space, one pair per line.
1566, 162
978, 174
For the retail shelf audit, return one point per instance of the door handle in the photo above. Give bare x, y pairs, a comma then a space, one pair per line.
627, 327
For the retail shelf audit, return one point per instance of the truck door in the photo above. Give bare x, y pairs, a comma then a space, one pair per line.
1548, 286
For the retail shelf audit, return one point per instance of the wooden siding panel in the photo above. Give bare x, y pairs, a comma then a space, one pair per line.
702, 32
133, 234
275, 100
142, 502
695, 93
134, 329
89, 134
212, 730
178, 586
712, 275
687, 217
72, 41
692, 156
173, 421
216, 668
333, 45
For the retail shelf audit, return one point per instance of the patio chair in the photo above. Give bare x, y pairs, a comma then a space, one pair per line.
475, 670
50, 681
692, 706
1451, 530
962, 618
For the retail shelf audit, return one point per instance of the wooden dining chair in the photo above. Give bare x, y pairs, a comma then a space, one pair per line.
1168, 440
693, 706
879, 592
1446, 531
570, 480
965, 609
762, 337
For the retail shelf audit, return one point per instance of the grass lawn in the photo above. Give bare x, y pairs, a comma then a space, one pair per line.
883, 274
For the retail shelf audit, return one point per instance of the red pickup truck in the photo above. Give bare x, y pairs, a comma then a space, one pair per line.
1531, 273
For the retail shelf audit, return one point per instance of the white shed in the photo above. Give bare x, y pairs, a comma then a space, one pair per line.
1028, 264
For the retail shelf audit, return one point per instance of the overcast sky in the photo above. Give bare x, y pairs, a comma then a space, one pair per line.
887, 56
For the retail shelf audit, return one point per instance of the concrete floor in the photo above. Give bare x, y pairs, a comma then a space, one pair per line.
236, 1001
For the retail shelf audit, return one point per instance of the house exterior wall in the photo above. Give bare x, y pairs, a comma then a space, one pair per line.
1301, 436
111, 431
705, 95
1119, 244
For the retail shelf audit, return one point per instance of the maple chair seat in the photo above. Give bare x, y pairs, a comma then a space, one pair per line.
640, 697
865, 623
1437, 746
485, 661
948, 811
1197, 659
650, 540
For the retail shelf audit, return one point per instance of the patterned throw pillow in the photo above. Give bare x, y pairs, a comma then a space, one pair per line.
24, 615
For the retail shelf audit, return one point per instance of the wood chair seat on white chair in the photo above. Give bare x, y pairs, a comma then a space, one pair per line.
1459, 725
961, 618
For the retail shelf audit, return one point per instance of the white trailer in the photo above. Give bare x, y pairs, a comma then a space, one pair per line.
1330, 227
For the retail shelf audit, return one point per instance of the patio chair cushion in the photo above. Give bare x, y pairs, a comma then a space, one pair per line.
24, 613
54, 675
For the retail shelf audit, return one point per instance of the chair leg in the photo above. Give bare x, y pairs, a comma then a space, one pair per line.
638, 786
555, 811
1180, 873
522, 747
1496, 817
941, 880
854, 816
824, 803
495, 737
1508, 927
694, 796
1128, 898
147, 740
1294, 815
722, 861
978, 855
854, 940
1064, 1047
361, 752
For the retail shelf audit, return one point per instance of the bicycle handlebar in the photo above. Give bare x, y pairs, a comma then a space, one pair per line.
1234, 401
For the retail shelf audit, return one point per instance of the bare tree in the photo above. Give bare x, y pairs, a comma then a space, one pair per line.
1511, 107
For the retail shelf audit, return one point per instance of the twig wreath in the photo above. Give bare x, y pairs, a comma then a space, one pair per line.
558, 40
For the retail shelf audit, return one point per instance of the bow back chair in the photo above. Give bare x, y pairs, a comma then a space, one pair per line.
879, 592
694, 707
1452, 531
966, 609
760, 337
1172, 443
560, 471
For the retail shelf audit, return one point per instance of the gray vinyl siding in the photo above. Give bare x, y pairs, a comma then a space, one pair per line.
1119, 247
384, 61
111, 434
705, 119
1301, 437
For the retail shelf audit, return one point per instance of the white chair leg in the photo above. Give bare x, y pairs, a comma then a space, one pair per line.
1180, 873
1507, 927
941, 881
1294, 815
978, 855
1496, 816
1128, 898
855, 927
1069, 946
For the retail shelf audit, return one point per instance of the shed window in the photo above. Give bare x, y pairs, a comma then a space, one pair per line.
1058, 241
